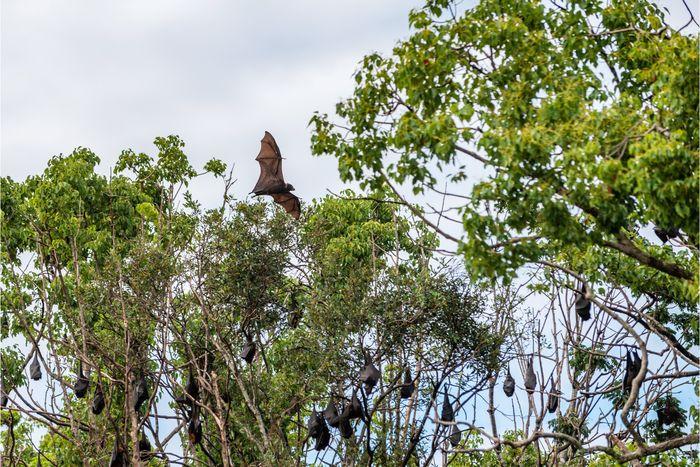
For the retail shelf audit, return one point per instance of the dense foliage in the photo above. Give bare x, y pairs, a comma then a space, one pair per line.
561, 134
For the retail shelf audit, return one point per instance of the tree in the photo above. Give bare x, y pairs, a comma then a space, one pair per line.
581, 119
129, 280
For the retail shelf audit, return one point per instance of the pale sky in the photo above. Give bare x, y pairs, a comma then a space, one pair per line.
114, 75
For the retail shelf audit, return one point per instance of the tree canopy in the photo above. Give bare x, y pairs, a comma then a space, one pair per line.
545, 314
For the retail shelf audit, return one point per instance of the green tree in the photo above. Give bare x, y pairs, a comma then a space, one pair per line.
564, 132
131, 278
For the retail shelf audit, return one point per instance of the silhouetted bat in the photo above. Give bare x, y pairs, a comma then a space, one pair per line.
323, 439
369, 375
140, 392
553, 399
583, 305
35, 367
669, 414
191, 390
315, 424
331, 414
634, 364
509, 384
82, 383
408, 385
352, 408
194, 427
248, 352
665, 234
118, 458
455, 436
530, 378
271, 181
145, 449
447, 414
345, 429
98, 401
3, 395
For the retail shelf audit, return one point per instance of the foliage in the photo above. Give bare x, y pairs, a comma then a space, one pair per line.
561, 133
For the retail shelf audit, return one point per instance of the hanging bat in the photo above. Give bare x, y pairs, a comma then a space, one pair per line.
345, 429
553, 399
98, 401
323, 439
455, 436
82, 383
194, 427
583, 305
447, 414
369, 375
315, 424
35, 367
634, 365
271, 181
353, 409
140, 392
145, 448
530, 378
408, 385
331, 414
509, 384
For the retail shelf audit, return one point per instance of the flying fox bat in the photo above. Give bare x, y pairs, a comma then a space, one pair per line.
271, 181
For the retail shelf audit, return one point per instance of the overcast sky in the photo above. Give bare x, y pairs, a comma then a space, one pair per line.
114, 75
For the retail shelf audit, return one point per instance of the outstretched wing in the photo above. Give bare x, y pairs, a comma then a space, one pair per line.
289, 202
270, 160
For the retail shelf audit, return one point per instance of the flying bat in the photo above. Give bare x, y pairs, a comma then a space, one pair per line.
271, 181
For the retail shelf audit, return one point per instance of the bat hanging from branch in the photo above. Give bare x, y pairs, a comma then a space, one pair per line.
271, 181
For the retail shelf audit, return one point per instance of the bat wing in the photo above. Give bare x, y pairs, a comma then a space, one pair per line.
289, 202
270, 160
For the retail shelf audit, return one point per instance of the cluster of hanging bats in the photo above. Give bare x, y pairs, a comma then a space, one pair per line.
271, 182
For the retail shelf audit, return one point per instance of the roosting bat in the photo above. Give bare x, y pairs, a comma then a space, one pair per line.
455, 436
369, 375
666, 234
98, 401
553, 399
140, 392
35, 367
583, 305
194, 427
352, 409
3, 395
331, 414
634, 364
315, 424
118, 456
669, 414
248, 352
191, 390
509, 384
323, 439
530, 378
271, 181
345, 429
408, 385
81, 384
447, 414
145, 449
